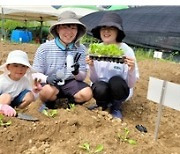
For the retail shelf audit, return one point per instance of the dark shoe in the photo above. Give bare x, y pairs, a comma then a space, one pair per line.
43, 107
92, 107
141, 128
116, 113
47, 105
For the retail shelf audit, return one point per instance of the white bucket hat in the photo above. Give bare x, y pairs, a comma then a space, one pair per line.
18, 57
68, 17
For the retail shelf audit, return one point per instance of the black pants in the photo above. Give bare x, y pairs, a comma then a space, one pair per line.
115, 89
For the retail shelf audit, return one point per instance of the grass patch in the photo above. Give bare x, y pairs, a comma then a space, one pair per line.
142, 54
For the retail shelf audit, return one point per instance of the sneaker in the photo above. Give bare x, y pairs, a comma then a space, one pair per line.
116, 114
43, 107
92, 107
95, 106
47, 105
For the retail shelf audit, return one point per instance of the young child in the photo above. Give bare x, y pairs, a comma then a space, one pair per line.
16, 83
112, 82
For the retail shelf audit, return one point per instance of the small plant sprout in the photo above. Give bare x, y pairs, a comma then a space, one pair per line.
125, 138
50, 113
72, 106
2, 123
86, 147
99, 148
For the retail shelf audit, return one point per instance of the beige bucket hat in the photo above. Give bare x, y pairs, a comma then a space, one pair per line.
69, 17
19, 57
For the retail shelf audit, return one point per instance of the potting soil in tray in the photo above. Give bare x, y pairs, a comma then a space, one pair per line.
107, 58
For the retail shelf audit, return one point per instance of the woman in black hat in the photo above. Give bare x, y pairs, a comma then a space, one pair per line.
112, 82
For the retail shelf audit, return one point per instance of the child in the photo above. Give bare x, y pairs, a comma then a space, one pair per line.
15, 83
112, 82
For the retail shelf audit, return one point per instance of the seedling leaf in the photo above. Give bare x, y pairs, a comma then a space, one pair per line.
131, 141
72, 106
1, 117
8, 123
125, 137
45, 112
50, 113
85, 146
99, 148
53, 113
2, 123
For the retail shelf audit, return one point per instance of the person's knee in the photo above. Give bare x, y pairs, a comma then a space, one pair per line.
88, 93
28, 99
100, 90
119, 88
48, 92
83, 95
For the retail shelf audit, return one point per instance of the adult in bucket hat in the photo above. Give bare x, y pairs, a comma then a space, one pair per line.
112, 82
110, 20
15, 83
68, 18
61, 63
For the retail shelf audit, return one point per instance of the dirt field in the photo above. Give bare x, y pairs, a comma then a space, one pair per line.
64, 133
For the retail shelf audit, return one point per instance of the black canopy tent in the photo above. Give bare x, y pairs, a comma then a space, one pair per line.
154, 27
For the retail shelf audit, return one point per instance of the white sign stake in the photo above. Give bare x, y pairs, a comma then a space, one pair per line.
160, 109
165, 93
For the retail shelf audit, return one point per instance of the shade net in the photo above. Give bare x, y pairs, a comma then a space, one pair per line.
156, 27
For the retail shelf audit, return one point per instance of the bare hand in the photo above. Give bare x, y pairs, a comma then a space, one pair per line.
89, 61
130, 62
37, 85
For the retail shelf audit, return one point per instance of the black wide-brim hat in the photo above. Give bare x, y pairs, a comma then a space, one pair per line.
109, 19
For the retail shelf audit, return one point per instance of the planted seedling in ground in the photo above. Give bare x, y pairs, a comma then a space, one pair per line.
125, 138
72, 106
3, 123
86, 146
50, 113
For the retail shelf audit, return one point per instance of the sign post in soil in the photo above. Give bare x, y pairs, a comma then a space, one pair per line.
165, 93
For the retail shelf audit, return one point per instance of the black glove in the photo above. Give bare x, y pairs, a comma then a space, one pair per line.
76, 64
76, 68
53, 80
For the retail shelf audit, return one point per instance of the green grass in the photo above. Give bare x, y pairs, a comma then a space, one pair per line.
141, 54
144, 54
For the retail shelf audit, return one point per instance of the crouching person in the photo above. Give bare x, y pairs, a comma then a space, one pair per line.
61, 63
16, 84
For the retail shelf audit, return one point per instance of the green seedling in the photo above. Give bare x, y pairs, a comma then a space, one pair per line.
86, 147
99, 148
72, 106
50, 113
125, 137
2, 123
105, 50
